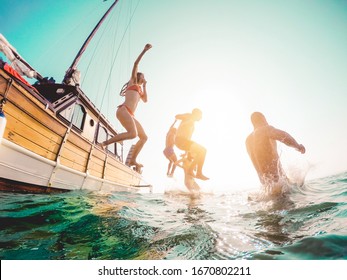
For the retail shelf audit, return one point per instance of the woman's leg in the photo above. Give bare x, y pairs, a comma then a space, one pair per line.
139, 145
128, 123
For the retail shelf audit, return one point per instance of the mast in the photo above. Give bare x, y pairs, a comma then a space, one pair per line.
73, 67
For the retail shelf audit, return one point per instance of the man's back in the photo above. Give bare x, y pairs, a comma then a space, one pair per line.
262, 150
186, 127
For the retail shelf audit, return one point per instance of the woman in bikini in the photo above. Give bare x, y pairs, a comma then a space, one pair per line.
169, 151
133, 91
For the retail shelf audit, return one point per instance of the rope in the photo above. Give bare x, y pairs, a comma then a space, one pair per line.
115, 57
104, 87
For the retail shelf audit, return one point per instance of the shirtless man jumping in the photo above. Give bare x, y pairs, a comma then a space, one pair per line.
262, 149
183, 142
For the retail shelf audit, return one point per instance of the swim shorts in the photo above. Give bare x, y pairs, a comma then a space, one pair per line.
168, 152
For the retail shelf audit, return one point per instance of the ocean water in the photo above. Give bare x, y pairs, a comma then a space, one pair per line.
309, 223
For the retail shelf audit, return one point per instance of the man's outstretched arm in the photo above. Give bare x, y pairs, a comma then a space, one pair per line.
286, 139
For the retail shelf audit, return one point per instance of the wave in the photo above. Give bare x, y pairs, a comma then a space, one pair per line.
329, 246
309, 222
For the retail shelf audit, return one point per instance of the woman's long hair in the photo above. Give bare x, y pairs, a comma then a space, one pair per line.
124, 89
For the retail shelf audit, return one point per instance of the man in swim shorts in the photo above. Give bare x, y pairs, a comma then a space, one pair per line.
183, 142
262, 149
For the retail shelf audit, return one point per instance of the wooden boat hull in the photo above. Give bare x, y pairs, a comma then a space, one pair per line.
40, 149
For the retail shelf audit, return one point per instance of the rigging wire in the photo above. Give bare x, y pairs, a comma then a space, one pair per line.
93, 56
49, 52
117, 52
118, 40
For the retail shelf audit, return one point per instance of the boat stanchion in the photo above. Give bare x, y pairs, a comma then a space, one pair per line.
3, 120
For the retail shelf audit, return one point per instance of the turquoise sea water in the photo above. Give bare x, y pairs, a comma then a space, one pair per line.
310, 223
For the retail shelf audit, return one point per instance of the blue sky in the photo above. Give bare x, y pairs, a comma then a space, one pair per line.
287, 59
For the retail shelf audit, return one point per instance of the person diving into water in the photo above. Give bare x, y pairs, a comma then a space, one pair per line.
262, 149
184, 162
169, 151
133, 91
183, 142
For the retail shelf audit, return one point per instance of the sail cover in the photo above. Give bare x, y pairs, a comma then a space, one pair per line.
11, 54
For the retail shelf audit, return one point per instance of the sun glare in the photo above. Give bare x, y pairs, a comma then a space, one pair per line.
222, 130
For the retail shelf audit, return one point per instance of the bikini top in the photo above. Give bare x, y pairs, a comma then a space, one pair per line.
136, 87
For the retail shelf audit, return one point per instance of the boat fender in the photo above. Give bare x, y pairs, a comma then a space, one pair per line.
2, 124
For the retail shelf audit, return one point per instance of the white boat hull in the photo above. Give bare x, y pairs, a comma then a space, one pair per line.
20, 165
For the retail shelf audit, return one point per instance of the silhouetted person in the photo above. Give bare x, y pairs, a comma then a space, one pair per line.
133, 91
262, 149
183, 141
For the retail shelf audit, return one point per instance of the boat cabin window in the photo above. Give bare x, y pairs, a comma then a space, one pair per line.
102, 136
78, 116
112, 147
74, 113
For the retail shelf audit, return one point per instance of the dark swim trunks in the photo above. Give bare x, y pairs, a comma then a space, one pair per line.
168, 152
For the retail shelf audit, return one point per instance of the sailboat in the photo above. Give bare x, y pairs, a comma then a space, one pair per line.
51, 132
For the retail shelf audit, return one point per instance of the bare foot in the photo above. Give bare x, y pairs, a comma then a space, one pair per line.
191, 173
136, 164
103, 146
201, 177
138, 169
